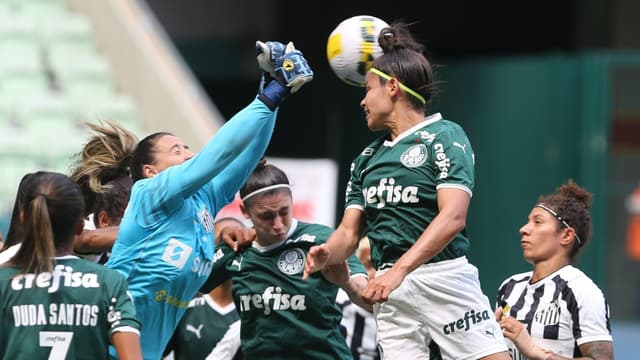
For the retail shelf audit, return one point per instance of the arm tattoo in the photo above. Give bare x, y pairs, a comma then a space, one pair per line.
597, 350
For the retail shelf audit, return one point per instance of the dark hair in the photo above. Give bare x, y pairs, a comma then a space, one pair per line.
53, 210
143, 155
217, 240
105, 157
228, 218
403, 59
264, 175
114, 200
14, 233
572, 204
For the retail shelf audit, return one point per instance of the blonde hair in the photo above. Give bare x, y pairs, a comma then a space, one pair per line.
106, 156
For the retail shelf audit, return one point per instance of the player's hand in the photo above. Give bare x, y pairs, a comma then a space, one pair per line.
238, 239
290, 72
294, 70
379, 288
337, 273
498, 313
270, 55
317, 259
516, 332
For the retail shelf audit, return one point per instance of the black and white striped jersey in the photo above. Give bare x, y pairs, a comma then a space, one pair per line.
360, 328
561, 312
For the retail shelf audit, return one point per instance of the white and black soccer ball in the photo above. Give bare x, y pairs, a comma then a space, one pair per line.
352, 47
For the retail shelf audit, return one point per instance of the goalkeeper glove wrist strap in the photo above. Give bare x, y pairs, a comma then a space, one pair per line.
273, 94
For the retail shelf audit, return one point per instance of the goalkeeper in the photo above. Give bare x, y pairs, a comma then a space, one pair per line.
165, 244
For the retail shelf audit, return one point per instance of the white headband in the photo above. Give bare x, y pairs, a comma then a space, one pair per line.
562, 221
266, 188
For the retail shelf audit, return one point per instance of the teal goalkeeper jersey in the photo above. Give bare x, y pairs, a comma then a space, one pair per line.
395, 184
282, 316
165, 241
69, 313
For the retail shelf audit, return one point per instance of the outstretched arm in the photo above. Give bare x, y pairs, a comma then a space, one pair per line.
95, 241
342, 243
289, 71
233, 153
240, 143
352, 285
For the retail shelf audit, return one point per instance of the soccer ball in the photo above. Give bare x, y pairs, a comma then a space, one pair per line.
352, 47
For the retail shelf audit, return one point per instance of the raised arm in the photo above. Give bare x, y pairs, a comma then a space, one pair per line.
291, 70
241, 141
233, 153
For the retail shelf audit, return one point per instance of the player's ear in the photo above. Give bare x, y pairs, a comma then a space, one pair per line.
393, 86
80, 227
149, 171
244, 210
103, 219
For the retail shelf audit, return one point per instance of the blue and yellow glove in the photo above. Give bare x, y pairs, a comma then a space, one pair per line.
270, 56
285, 71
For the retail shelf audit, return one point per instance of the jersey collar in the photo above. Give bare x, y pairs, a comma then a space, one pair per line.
214, 305
427, 120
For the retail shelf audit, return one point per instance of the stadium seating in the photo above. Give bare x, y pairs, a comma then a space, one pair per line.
53, 78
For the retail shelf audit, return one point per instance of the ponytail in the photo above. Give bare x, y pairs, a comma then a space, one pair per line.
37, 247
52, 213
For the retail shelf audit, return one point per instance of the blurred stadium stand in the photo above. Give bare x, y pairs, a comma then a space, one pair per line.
67, 62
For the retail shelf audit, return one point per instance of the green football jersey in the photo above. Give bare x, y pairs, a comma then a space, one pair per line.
395, 184
282, 316
204, 323
69, 313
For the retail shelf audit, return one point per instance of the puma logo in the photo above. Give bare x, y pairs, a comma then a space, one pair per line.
463, 147
195, 330
237, 263
489, 332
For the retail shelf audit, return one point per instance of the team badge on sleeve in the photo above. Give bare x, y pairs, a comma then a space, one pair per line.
291, 261
206, 220
414, 156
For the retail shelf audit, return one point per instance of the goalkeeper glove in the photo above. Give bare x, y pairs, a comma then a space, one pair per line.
270, 55
288, 69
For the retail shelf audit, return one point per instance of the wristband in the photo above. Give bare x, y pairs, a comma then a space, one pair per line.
273, 94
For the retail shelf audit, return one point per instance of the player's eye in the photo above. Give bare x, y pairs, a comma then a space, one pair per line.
267, 216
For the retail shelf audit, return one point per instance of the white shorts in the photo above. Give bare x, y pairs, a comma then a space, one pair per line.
442, 302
